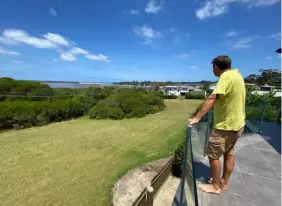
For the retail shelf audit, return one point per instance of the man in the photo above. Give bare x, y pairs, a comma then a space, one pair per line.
228, 101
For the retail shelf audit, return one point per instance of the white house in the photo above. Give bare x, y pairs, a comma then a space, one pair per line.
212, 86
176, 90
265, 89
181, 90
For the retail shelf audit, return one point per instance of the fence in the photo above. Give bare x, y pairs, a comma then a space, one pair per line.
262, 111
195, 145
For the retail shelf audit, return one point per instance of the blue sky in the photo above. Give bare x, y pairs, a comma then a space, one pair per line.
157, 40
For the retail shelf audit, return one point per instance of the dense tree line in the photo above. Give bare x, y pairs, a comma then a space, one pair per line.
158, 84
266, 76
128, 103
29, 103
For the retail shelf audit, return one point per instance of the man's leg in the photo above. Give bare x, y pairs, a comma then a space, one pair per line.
214, 187
229, 164
214, 151
229, 157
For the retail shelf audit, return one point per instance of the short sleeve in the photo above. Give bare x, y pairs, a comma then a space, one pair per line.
223, 86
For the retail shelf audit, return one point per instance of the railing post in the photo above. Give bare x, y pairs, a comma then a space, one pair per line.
184, 170
150, 197
262, 115
207, 133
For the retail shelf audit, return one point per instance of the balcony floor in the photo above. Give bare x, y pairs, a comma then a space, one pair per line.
256, 179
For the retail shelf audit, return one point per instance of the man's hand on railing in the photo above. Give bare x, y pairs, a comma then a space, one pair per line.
193, 121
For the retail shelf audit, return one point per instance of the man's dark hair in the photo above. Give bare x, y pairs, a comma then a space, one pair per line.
222, 62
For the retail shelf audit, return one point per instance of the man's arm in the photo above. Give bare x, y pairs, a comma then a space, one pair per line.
208, 105
205, 109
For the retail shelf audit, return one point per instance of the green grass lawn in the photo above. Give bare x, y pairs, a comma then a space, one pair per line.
77, 162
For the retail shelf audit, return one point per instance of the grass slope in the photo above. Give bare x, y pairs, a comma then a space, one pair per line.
77, 162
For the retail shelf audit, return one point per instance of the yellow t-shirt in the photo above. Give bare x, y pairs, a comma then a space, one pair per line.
229, 109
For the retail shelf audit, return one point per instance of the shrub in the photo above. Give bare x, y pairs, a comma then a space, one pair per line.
154, 109
194, 96
127, 102
20, 89
100, 111
177, 165
19, 113
138, 112
254, 105
116, 113
172, 96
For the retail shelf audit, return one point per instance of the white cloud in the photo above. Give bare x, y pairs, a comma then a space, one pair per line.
51, 41
268, 57
133, 12
154, 7
67, 56
20, 36
53, 12
55, 60
231, 33
77, 50
193, 67
147, 33
5, 51
242, 43
7, 41
183, 55
57, 39
99, 57
276, 36
212, 8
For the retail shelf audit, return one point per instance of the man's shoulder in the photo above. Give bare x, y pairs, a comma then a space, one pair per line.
232, 75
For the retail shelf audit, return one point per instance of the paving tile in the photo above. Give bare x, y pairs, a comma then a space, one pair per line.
206, 199
241, 201
240, 145
263, 190
263, 145
274, 160
257, 138
236, 184
244, 139
249, 160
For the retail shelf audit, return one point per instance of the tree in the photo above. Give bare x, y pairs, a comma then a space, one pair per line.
206, 86
269, 76
266, 76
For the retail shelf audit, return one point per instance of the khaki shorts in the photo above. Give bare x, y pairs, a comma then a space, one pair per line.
222, 142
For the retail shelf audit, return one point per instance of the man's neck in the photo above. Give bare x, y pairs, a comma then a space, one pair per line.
226, 70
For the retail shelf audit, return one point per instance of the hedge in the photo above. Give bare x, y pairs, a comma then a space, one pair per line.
194, 96
18, 113
127, 103
19, 89
172, 96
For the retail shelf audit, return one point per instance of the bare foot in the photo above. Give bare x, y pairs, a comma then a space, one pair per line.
209, 188
223, 186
